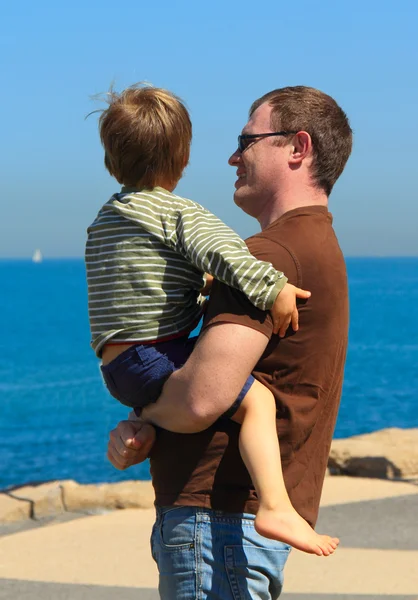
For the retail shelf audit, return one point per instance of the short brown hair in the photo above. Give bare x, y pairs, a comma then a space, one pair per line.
301, 108
146, 133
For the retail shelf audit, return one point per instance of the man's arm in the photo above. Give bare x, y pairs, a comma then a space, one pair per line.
208, 384
234, 340
196, 395
214, 374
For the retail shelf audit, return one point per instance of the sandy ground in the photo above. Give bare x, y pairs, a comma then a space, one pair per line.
107, 556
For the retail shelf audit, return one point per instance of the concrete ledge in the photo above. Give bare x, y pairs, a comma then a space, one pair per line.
57, 497
127, 494
13, 509
386, 454
44, 500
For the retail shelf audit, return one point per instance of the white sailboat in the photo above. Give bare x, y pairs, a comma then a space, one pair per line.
37, 256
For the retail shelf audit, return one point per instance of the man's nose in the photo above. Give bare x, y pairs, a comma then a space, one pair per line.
234, 158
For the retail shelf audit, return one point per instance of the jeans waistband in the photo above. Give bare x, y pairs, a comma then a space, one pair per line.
204, 514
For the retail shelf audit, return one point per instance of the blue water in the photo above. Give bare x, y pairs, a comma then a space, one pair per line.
55, 413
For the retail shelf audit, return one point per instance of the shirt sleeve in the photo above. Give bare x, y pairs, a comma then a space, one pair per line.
227, 305
207, 243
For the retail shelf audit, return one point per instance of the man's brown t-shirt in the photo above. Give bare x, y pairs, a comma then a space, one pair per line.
303, 370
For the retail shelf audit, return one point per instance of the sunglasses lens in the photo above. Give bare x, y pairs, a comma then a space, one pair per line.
242, 143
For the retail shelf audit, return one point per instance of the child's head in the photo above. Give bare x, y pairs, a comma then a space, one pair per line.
146, 133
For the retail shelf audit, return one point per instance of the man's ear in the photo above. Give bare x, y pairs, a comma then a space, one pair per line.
301, 147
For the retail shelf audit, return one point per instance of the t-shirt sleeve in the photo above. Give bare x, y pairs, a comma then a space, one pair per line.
228, 305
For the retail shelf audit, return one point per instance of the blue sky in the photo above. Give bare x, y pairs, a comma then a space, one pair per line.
218, 57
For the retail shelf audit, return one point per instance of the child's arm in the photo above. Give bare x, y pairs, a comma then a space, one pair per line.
237, 267
284, 311
212, 247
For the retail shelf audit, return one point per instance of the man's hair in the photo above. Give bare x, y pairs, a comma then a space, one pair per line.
301, 108
146, 133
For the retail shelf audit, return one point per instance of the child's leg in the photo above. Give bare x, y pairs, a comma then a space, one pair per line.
260, 451
136, 377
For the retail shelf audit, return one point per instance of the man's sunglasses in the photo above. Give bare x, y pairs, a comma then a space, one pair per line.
245, 140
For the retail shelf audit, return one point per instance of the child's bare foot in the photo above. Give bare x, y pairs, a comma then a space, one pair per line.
288, 526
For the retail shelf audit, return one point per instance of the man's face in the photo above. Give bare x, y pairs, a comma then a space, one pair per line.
260, 167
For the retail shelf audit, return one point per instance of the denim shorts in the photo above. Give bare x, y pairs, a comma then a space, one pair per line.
204, 554
136, 377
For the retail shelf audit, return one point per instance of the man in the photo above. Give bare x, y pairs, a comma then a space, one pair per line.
292, 150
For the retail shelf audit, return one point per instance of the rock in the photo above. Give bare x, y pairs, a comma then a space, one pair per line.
386, 454
44, 499
128, 494
12, 510
50, 499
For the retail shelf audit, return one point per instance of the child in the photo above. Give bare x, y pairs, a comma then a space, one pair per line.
146, 257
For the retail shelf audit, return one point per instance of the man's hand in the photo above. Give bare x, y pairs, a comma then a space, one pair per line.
130, 443
284, 309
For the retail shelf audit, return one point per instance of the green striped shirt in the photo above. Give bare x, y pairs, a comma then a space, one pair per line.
146, 255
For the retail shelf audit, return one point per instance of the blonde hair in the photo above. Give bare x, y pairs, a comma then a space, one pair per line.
146, 134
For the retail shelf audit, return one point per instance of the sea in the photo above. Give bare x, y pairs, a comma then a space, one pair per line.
55, 413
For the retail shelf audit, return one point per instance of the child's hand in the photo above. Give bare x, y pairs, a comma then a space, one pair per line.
284, 309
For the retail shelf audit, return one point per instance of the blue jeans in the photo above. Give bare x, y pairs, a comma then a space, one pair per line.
205, 554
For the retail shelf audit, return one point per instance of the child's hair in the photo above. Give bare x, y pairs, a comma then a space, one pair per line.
146, 133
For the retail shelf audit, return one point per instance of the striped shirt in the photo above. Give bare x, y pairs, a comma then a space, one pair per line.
146, 255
